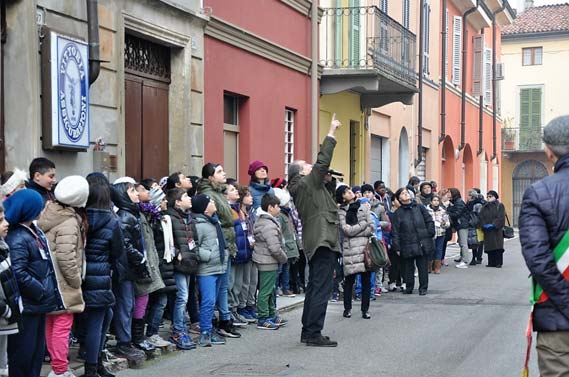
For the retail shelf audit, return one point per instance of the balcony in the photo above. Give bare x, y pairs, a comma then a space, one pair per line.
364, 50
522, 139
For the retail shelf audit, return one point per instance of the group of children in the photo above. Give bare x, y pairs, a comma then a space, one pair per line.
84, 257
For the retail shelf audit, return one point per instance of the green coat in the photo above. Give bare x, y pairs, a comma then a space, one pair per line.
153, 262
224, 212
316, 206
289, 235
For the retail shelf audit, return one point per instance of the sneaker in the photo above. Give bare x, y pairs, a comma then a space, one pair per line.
335, 297
65, 374
279, 321
288, 293
461, 265
251, 310
392, 287
205, 339
377, 291
215, 340
279, 292
266, 324
239, 319
182, 341
403, 287
158, 342
130, 353
194, 328
243, 312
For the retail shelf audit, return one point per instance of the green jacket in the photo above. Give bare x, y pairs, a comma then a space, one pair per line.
289, 235
316, 206
224, 212
153, 262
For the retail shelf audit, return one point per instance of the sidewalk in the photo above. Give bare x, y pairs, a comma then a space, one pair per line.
284, 304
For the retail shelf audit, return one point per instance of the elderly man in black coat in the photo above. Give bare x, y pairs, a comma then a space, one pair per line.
544, 221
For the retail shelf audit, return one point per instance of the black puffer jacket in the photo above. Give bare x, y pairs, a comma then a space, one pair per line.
104, 252
166, 269
183, 236
128, 215
544, 220
412, 231
459, 214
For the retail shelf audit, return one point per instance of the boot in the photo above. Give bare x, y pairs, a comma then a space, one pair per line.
102, 370
130, 353
430, 267
437, 268
91, 370
138, 338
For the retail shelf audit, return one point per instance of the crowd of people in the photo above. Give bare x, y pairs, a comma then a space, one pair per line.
85, 257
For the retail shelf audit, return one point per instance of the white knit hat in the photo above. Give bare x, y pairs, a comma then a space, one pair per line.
17, 178
283, 196
124, 180
72, 191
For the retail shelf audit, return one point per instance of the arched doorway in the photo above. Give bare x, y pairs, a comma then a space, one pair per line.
403, 158
468, 170
526, 173
448, 164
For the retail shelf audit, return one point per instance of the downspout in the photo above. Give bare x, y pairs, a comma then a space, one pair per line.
494, 111
314, 79
444, 37
419, 158
481, 106
93, 37
3, 32
463, 81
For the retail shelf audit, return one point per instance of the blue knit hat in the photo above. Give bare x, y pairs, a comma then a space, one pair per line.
23, 205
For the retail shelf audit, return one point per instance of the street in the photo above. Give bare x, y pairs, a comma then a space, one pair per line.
472, 323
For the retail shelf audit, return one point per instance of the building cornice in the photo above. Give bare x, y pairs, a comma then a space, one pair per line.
245, 40
304, 7
533, 36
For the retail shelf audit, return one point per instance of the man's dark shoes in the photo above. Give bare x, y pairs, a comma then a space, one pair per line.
321, 341
303, 338
408, 291
422, 293
366, 315
347, 313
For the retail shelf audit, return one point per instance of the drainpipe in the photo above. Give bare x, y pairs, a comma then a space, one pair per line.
314, 79
463, 81
494, 111
419, 158
93, 37
3, 31
444, 36
481, 107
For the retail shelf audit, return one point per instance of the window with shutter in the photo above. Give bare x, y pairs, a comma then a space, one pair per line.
488, 76
478, 64
406, 14
530, 118
354, 34
426, 27
456, 47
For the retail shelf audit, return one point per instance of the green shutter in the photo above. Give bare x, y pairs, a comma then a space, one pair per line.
354, 33
530, 119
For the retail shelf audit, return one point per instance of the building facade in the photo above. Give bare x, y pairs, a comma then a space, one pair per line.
535, 49
257, 84
146, 104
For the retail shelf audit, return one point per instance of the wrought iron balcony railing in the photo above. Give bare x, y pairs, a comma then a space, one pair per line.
366, 38
522, 139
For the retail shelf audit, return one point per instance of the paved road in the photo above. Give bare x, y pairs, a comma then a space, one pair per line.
471, 324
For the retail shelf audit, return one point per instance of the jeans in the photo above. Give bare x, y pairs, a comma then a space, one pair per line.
284, 277
97, 322
27, 347
266, 299
438, 255
421, 263
57, 329
349, 283
124, 305
155, 313
222, 300
318, 291
193, 305
210, 286
358, 282
179, 317
465, 252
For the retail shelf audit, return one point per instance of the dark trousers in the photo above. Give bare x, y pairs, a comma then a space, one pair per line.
495, 257
193, 306
448, 237
124, 306
97, 322
397, 268
294, 276
318, 291
302, 269
478, 252
349, 280
421, 263
27, 347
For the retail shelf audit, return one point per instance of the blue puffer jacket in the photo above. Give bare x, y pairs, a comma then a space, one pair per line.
544, 220
258, 190
34, 273
243, 228
104, 252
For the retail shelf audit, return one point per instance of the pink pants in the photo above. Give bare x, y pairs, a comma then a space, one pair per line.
140, 304
57, 330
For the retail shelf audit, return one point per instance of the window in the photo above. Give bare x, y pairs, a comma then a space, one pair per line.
355, 21
289, 139
530, 118
488, 76
426, 27
456, 47
231, 104
532, 56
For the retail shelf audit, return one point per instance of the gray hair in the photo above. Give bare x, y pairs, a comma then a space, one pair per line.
556, 135
295, 168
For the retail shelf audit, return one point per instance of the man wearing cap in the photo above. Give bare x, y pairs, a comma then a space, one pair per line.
319, 216
544, 224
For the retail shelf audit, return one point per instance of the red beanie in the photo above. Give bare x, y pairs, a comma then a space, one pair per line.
256, 165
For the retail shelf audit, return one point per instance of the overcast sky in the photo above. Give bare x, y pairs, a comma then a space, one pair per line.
519, 4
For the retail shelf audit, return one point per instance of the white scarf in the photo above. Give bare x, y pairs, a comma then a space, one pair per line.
169, 249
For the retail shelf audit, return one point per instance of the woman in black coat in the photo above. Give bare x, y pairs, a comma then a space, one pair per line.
460, 218
492, 220
412, 233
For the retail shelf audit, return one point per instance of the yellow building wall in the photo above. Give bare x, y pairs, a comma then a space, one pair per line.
346, 105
